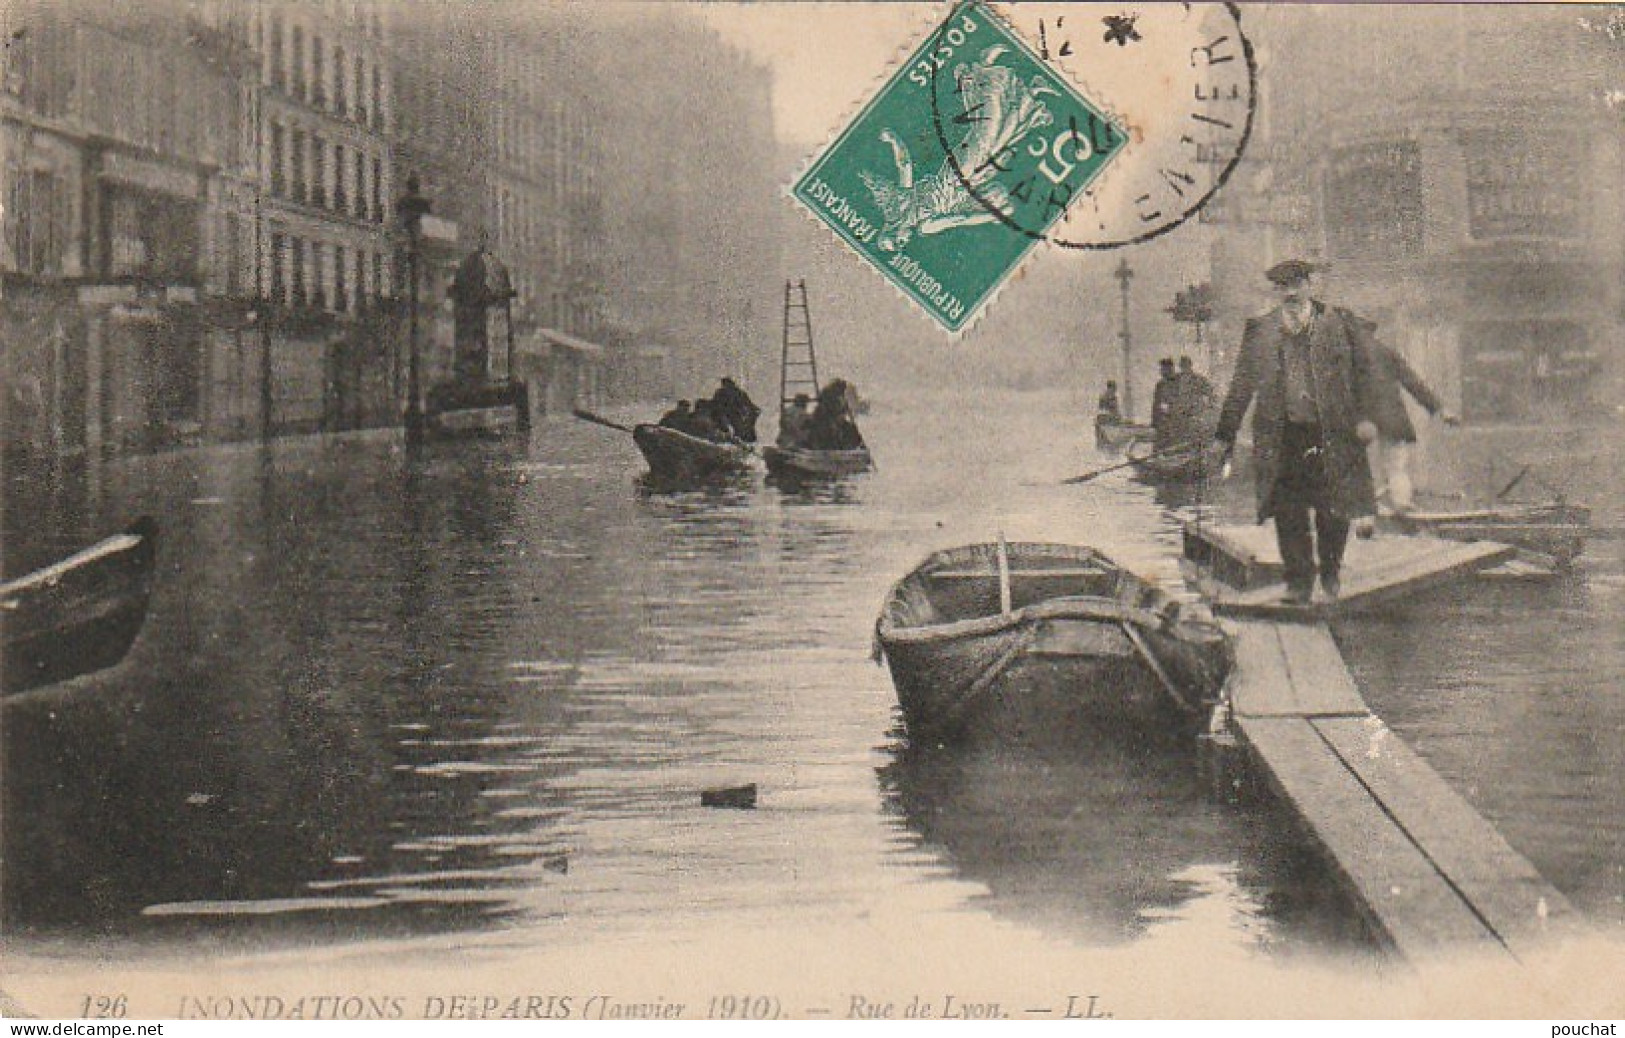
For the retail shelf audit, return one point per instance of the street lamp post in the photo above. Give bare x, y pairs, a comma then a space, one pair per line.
413, 207
1124, 274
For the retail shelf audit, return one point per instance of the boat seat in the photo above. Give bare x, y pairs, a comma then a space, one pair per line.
1019, 574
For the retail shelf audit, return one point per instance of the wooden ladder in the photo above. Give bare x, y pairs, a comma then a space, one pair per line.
798, 364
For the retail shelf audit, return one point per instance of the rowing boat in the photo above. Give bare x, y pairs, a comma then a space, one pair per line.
1112, 432
1034, 641
1169, 465
1551, 534
79, 614
806, 463
677, 456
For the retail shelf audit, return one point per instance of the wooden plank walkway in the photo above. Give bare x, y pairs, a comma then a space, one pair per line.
1376, 570
1427, 873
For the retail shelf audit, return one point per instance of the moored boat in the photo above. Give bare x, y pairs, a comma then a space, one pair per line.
1551, 534
79, 614
1036, 641
806, 463
677, 456
1113, 432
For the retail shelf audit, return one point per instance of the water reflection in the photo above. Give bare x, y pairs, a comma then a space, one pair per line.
1094, 842
484, 687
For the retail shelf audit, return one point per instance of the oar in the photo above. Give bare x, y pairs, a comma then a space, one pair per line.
1515, 481
1087, 476
1004, 576
588, 416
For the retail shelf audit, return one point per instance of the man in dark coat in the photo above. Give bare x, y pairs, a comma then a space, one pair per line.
1308, 365
1165, 406
832, 427
795, 422
1396, 436
736, 410
1195, 398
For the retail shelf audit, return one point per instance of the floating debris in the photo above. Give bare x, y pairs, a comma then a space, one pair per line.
737, 797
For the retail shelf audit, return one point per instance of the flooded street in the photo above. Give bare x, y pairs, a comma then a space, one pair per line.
478, 694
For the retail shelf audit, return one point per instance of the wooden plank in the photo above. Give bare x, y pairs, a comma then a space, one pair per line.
1018, 574
1409, 568
1321, 681
1258, 685
1244, 557
1266, 604
1446, 561
1284, 670
1514, 900
1398, 890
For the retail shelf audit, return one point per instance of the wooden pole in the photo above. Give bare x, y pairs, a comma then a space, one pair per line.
1124, 275
1004, 576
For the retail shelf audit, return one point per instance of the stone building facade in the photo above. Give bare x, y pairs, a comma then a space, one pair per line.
1469, 205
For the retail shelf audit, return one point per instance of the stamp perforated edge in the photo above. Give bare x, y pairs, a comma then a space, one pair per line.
930, 24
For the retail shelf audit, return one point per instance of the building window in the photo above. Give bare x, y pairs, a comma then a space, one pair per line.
279, 182
341, 82
341, 293
1517, 188
234, 254
360, 93
318, 78
377, 191
341, 170
297, 264
296, 61
377, 106
301, 192
1373, 201
360, 186
318, 173
279, 253
318, 275
279, 74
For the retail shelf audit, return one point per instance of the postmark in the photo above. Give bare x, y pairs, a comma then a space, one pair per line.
954, 171
1181, 77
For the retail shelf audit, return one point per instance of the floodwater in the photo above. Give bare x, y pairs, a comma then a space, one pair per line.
477, 696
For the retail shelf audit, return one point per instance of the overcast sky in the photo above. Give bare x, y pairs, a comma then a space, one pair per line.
827, 58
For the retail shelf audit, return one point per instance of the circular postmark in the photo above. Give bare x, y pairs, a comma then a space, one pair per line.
1179, 79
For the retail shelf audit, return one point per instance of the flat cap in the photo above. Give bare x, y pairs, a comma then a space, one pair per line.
1285, 273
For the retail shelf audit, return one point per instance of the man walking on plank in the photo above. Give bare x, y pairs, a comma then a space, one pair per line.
1309, 368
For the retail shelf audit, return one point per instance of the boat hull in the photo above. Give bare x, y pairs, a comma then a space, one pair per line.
1552, 534
1091, 679
78, 616
799, 463
1068, 659
1117, 435
489, 410
677, 456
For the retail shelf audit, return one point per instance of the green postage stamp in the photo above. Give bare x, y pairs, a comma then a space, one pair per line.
958, 167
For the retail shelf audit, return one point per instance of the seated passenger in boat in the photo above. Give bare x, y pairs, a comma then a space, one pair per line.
704, 423
832, 427
680, 417
1108, 405
795, 422
736, 411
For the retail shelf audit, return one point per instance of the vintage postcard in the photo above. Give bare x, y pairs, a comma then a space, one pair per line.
717, 511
